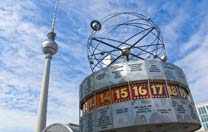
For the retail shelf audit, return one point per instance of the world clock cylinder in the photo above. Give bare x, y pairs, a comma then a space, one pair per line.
139, 96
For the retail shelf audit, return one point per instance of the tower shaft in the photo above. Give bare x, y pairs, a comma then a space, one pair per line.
42, 113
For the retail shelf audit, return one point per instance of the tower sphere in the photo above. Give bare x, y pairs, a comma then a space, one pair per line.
50, 46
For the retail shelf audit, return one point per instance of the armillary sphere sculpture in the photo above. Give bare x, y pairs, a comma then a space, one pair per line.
123, 37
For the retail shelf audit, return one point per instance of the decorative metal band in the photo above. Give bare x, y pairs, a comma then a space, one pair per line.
120, 74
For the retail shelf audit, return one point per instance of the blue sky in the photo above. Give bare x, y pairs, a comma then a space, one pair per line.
25, 23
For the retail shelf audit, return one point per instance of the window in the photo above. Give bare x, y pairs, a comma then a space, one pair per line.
203, 119
200, 111
206, 125
204, 110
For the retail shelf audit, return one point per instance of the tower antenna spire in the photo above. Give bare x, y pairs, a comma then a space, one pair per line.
53, 22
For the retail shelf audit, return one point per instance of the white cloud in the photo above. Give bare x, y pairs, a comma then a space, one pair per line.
195, 63
14, 118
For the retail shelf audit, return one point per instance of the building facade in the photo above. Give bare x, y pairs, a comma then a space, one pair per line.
202, 110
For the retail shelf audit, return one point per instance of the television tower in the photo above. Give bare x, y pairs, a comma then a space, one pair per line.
49, 47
